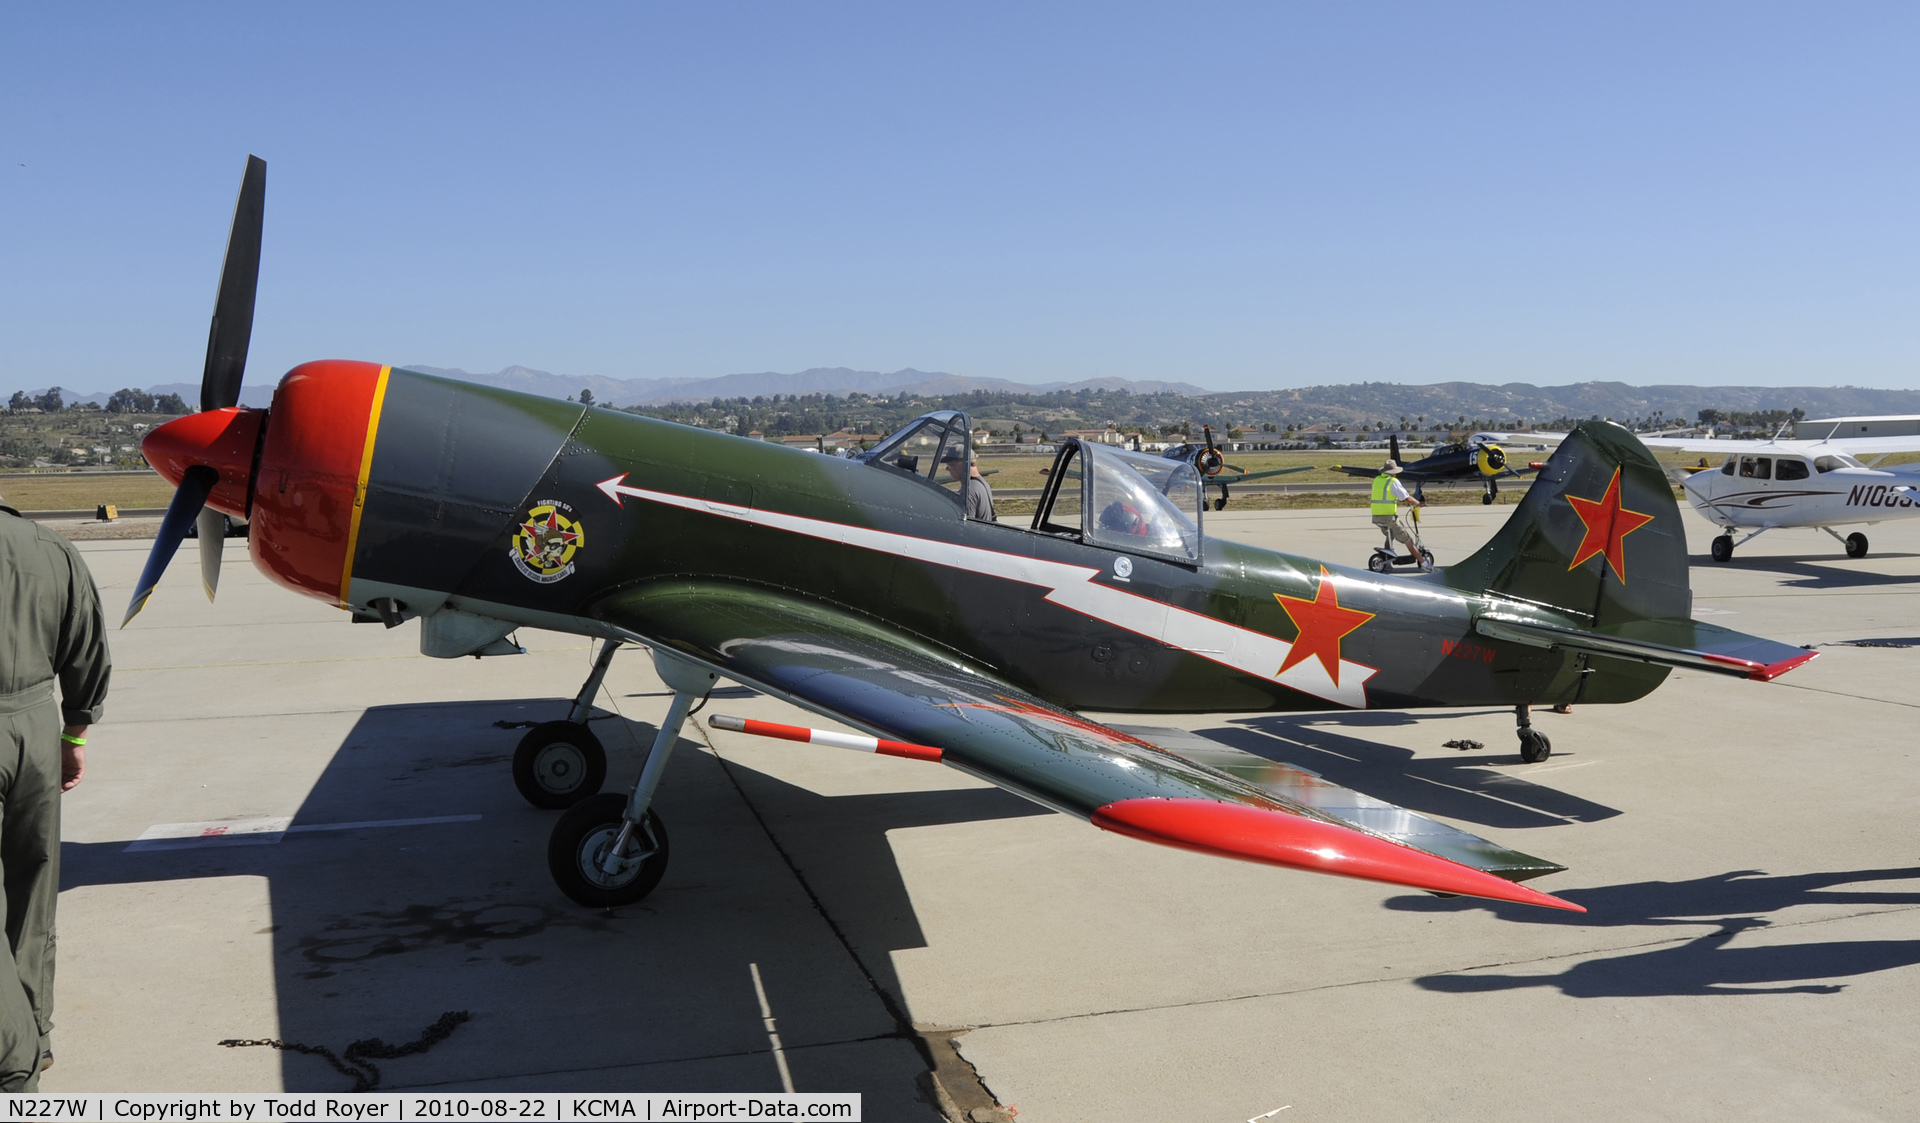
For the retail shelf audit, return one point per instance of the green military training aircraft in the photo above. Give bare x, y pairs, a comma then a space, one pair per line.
858, 589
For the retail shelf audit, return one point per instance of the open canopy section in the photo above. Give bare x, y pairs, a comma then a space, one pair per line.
934, 447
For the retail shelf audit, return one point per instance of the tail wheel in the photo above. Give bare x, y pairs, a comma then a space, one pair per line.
558, 764
1723, 548
1856, 545
577, 853
1534, 746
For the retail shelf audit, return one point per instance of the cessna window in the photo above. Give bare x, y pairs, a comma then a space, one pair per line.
919, 450
1835, 460
1756, 467
1785, 469
1727, 468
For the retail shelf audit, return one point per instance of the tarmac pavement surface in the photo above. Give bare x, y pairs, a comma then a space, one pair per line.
1747, 853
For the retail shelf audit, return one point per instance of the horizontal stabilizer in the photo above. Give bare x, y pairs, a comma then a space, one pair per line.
1294, 785
1671, 643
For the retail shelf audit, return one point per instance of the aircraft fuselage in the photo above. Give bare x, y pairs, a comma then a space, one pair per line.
529, 511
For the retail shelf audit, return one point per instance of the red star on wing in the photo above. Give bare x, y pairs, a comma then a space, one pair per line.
1322, 624
1608, 524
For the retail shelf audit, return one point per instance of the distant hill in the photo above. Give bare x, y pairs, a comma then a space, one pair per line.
839, 381
1125, 401
1523, 401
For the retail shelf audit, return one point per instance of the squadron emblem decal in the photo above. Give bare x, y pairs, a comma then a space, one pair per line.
544, 546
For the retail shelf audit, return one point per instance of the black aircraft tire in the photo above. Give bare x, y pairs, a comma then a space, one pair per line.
1723, 548
558, 764
1486, 499
1856, 545
579, 841
1534, 746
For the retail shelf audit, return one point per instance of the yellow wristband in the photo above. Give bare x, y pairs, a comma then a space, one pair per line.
72, 740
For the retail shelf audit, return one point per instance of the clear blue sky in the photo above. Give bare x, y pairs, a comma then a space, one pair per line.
1237, 196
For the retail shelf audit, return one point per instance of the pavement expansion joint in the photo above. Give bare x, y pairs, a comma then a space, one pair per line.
949, 1081
1844, 694
470, 1080
1352, 983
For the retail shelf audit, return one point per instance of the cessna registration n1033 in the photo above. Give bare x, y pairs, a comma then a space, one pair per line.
859, 590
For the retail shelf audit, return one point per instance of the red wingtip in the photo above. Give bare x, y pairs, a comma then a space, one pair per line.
1253, 834
1762, 672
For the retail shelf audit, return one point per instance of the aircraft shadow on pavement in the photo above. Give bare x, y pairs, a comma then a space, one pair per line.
1709, 965
1814, 571
1462, 787
378, 930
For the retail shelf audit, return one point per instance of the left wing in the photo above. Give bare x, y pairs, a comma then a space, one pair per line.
1245, 476
862, 672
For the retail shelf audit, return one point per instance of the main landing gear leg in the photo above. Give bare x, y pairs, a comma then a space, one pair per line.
611, 849
1534, 746
560, 763
1856, 543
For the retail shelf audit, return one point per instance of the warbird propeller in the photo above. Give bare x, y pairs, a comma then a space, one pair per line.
1219, 475
858, 589
1478, 459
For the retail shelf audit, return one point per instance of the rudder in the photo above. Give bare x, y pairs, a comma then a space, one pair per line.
1598, 535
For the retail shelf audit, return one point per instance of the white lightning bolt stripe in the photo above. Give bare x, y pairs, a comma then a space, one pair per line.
1067, 585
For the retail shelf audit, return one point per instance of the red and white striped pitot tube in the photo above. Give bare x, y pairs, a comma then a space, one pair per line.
823, 737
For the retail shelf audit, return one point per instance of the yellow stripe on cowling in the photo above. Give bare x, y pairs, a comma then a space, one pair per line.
360, 485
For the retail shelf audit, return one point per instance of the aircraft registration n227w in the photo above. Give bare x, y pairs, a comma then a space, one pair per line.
858, 589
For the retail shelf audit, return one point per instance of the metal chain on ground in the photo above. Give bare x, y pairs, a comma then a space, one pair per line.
358, 1061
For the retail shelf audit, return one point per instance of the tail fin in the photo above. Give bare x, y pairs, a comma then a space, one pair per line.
1393, 447
1598, 536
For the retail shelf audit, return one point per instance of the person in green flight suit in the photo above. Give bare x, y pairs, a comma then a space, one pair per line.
51, 629
1389, 495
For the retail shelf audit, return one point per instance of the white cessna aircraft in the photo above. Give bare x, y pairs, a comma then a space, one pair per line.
1816, 483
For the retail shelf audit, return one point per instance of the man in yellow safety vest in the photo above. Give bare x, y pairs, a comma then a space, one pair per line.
1389, 495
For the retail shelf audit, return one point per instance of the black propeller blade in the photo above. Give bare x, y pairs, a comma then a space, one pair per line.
188, 499
1209, 460
232, 327
227, 340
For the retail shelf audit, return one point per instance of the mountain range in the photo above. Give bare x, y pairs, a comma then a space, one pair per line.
839, 381
1343, 402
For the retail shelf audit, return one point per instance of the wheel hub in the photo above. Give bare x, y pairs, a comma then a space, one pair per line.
593, 854
560, 767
